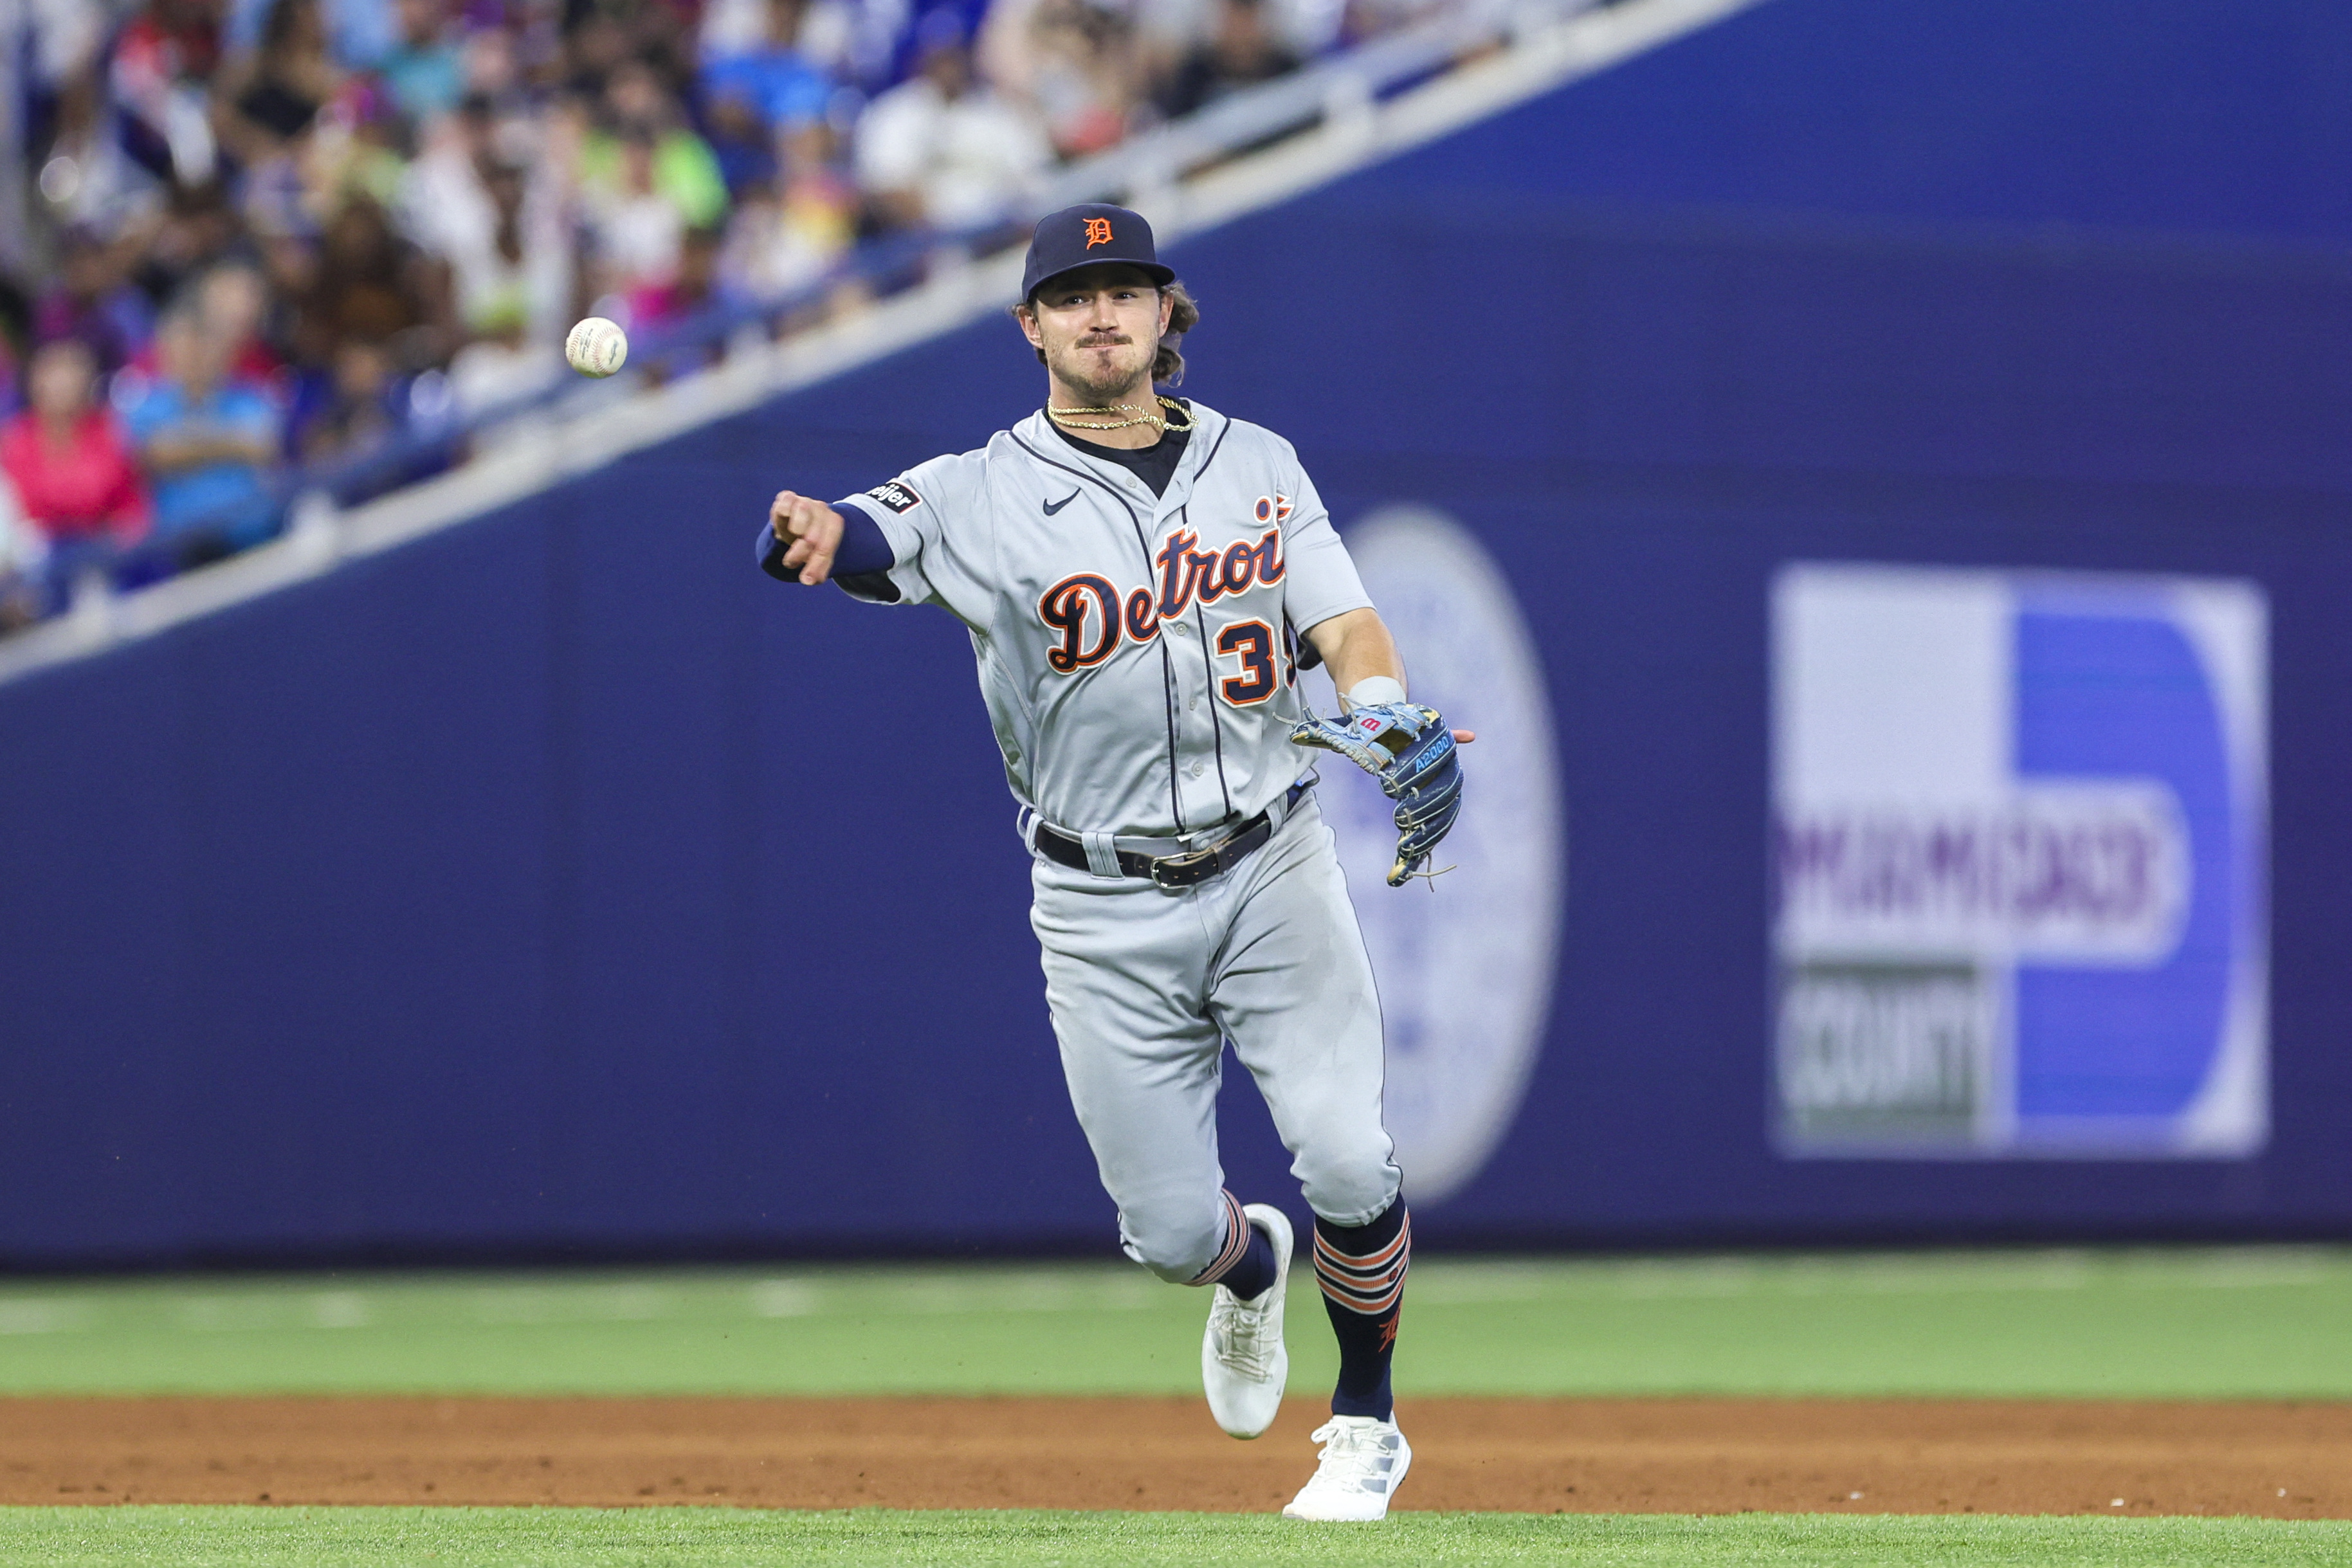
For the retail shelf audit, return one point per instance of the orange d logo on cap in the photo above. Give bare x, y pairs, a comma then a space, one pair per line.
1089, 235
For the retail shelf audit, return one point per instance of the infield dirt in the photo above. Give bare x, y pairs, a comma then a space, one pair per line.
1646, 1455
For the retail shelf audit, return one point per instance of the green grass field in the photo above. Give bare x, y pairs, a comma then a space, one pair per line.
2240, 1322
724, 1538
2174, 1323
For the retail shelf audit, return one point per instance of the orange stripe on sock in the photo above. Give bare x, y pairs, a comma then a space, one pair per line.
1235, 1247
1371, 1284
1399, 1243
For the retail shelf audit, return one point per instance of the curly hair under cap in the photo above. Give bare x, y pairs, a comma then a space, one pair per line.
1168, 361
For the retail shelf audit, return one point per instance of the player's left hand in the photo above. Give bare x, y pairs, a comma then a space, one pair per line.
1411, 751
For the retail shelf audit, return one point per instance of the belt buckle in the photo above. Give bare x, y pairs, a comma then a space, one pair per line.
1182, 862
1213, 854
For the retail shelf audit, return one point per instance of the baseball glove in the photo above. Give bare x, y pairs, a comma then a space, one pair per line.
1411, 751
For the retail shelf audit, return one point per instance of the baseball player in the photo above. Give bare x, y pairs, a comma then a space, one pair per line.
1142, 578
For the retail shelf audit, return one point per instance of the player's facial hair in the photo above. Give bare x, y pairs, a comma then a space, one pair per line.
1071, 373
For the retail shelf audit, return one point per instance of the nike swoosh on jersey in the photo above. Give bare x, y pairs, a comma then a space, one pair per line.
1054, 506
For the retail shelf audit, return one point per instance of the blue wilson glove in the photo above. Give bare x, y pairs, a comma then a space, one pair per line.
1411, 751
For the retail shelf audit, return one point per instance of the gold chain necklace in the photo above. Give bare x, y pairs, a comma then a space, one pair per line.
1144, 415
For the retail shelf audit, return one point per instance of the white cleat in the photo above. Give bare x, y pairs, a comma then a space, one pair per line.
1363, 1460
1243, 1363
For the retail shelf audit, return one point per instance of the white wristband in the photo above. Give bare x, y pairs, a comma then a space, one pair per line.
1374, 691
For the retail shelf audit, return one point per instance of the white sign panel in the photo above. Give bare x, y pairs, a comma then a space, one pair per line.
2019, 847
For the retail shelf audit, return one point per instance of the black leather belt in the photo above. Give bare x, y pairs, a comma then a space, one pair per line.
1175, 870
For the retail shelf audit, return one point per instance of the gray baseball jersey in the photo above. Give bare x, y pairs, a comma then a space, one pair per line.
1132, 648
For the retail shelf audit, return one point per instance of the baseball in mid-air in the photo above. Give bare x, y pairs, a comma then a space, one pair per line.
596, 347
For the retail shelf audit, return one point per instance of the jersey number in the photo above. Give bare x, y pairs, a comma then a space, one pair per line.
1253, 642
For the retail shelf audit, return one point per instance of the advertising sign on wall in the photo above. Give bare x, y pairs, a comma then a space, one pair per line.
2019, 860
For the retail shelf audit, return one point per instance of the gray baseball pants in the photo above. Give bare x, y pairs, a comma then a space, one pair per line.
1146, 984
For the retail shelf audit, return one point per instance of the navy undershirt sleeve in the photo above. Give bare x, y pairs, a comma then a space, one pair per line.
863, 549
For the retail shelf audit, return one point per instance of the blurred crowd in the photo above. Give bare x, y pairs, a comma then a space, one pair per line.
240, 238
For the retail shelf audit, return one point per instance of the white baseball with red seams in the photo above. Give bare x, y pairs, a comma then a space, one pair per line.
596, 347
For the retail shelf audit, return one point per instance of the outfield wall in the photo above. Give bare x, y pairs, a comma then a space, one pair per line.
560, 884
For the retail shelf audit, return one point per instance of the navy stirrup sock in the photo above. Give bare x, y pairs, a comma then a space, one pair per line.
1254, 1275
1244, 1264
1362, 1269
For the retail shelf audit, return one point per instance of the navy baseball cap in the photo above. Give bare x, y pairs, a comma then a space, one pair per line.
1085, 234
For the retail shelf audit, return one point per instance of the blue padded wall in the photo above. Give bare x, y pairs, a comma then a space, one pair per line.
557, 885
